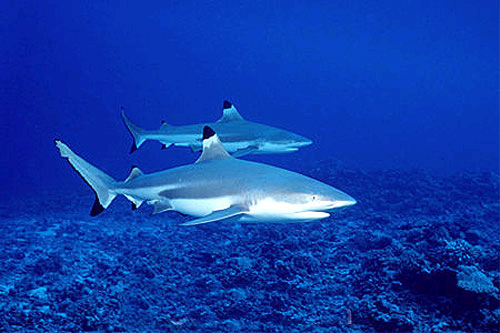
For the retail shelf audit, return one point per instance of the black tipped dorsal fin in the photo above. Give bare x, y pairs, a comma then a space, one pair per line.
134, 173
212, 147
229, 113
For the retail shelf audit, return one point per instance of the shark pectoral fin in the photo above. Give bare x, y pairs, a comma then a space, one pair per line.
161, 206
245, 151
219, 215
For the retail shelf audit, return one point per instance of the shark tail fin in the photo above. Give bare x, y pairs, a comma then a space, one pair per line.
100, 182
137, 133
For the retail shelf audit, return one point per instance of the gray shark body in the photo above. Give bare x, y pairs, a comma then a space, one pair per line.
239, 136
217, 187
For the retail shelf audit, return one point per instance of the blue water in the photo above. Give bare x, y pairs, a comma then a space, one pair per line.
400, 98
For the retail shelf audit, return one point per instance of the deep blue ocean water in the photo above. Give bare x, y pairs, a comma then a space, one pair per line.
400, 98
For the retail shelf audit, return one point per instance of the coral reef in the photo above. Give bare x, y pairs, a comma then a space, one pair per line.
418, 252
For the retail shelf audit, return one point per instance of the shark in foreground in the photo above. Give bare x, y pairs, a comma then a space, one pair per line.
239, 136
217, 187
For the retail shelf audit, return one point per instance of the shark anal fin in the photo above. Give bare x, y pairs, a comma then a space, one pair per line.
136, 203
161, 206
218, 215
245, 151
134, 173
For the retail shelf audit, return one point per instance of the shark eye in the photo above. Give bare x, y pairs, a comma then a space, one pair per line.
314, 198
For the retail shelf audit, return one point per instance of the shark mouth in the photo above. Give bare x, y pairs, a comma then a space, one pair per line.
310, 215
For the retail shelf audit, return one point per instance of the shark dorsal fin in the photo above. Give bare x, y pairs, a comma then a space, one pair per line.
212, 147
229, 113
134, 173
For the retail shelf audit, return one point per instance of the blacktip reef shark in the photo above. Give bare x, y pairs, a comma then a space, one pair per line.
239, 136
217, 187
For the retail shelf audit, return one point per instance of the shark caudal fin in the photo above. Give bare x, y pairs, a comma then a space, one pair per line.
100, 182
137, 133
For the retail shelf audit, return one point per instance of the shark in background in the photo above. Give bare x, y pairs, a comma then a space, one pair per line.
239, 136
217, 187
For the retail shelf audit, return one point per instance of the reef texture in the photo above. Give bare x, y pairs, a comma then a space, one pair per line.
418, 252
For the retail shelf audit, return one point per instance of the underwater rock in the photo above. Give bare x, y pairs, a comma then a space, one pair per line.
19, 255
144, 270
205, 257
471, 279
49, 264
460, 252
282, 270
140, 302
238, 278
241, 263
472, 236
40, 293
306, 264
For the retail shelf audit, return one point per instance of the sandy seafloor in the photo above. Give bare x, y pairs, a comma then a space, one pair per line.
418, 252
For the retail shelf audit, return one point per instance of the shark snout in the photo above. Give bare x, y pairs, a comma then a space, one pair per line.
339, 200
345, 201
303, 142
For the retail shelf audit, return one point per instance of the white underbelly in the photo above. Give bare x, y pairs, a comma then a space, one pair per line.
200, 207
285, 217
270, 210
